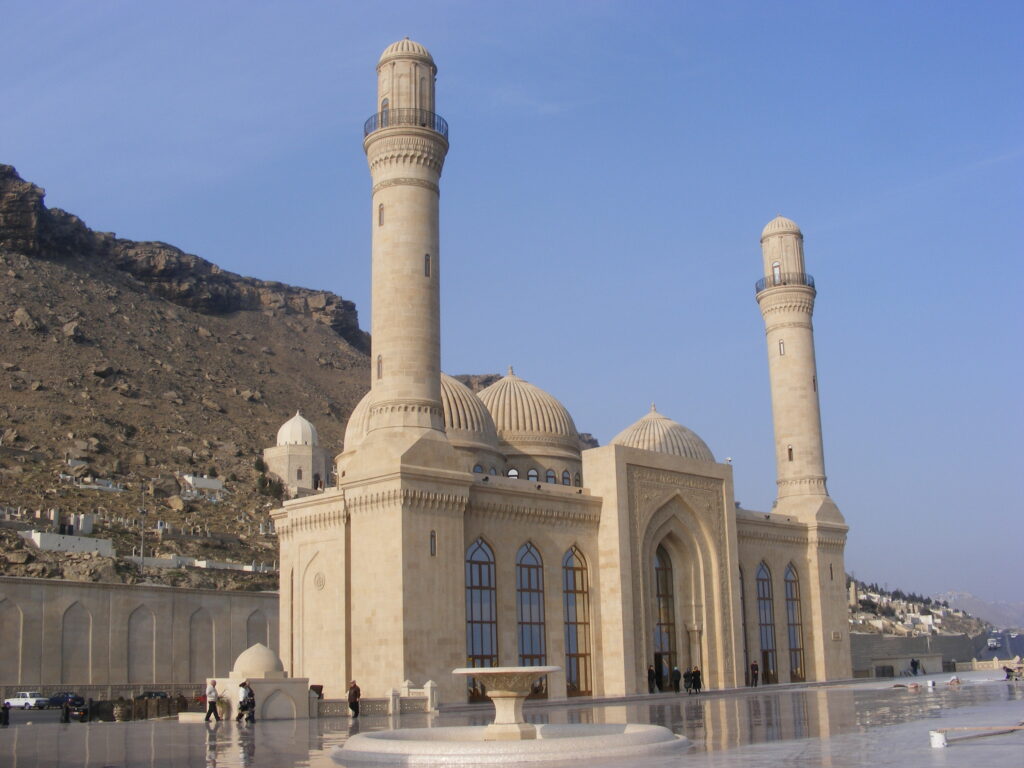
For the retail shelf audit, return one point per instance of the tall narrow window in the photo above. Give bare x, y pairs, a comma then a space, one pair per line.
776, 273
433, 543
766, 623
530, 612
743, 629
782, 347
298, 473
577, 481
380, 215
426, 265
576, 602
665, 618
794, 627
566, 477
550, 477
532, 475
481, 614
380, 366
789, 452
384, 109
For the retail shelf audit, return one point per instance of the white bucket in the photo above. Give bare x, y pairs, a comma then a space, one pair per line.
938, 739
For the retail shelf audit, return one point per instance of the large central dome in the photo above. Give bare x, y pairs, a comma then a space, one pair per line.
524, 413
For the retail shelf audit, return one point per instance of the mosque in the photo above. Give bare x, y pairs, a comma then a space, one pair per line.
460, 529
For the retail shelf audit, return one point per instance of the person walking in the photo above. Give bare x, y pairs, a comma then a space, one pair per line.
65, 711
242, 701
688, 681
353, 698
652, 679
211, 701
754, 670
5, 714
695, 680
250, 703
676, 677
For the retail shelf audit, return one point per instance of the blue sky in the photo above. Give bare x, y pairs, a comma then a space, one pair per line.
611, 167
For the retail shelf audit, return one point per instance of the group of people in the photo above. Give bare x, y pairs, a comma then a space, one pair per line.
692, 680
246, 702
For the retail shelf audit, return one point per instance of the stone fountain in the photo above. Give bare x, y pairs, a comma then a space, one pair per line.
509, 740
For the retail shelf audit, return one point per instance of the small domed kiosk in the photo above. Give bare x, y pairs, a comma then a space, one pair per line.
297, 460
278, 697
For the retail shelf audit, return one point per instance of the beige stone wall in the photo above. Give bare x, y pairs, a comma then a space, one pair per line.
61, 632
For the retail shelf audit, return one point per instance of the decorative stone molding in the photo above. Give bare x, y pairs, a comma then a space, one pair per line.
426, 150
409, 182
794, 298
408, 498
312, 520
744, 533
406, 406
807, 485
561, 515
797, 324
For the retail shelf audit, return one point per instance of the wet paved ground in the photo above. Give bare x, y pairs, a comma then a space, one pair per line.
864, 724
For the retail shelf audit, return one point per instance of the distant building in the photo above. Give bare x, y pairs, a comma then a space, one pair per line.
202, 487
297, 460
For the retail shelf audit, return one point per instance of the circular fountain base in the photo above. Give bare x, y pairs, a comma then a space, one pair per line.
554, 744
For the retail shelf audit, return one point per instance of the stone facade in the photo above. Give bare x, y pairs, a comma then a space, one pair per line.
61, 632
474, 530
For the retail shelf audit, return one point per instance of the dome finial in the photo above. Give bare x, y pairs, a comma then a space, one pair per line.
510, 371
654, 409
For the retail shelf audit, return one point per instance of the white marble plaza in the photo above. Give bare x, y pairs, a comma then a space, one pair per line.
869, 723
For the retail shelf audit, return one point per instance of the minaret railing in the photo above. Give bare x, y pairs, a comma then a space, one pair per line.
783, 278
393, 118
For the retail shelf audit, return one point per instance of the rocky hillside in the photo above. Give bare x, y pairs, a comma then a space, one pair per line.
136, 361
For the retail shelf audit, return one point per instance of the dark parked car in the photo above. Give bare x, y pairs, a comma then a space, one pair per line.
153, 695
58, 699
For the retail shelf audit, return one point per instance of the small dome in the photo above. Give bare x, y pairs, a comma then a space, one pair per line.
660, 434
256, 662
780, 225
405, 49
297, 431
525, 413
465, 416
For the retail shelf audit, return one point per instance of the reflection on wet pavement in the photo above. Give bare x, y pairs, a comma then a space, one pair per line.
870, 723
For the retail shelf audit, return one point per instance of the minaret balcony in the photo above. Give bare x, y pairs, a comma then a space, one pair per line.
779, 279
395, 118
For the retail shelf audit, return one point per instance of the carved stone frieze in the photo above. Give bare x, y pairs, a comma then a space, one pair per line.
410, 182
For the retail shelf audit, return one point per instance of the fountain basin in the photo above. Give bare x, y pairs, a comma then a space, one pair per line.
553, 745
508, 688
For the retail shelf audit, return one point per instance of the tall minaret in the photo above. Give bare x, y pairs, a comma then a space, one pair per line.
406, 143
786, 297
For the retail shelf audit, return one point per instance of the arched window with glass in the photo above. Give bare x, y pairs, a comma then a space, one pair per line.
533, 475
566, 477
481, 614
550, 476
385, 107
530, 612
766, 623
794, 627
576, 604
664, 618
743, 629
513, 473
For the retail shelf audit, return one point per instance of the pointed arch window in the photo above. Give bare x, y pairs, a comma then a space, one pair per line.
385, 108
481, 613
766, 623
664, 617
530, 611
743, 629
533, 475
298, 473
550, 476
782, 348
566, 477
794, 627
576, 604
380, 215
577, 482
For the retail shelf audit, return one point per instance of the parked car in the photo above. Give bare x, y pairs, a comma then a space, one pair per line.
58, 699
27, 700
153, 695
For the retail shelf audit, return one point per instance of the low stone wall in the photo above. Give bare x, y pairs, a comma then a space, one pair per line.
367, 706
994, 664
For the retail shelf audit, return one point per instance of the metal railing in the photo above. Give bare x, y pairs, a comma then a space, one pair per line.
783, 278
393, 118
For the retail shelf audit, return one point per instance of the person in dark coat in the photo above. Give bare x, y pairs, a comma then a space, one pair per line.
754, 670
353, 698
250, 703
5, 714
695, 680
688, 680
676, 677
652, 679
65, 711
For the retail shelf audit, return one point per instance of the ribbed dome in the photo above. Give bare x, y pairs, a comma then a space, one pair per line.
404, 49
522, 412
465, 416
256, 661
660, 434
780, 225
358, 421
297, 431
